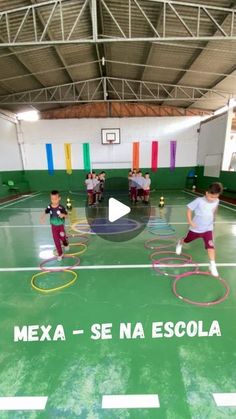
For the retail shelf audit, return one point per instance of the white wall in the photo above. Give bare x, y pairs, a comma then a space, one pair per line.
77, 131
10, 158
230, 143
212, 137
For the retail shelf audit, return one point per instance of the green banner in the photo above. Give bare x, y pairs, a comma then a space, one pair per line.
86, 153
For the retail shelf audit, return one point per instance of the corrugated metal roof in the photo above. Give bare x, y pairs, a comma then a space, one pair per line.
27, 68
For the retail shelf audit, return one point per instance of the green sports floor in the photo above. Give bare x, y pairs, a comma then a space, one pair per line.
116, 285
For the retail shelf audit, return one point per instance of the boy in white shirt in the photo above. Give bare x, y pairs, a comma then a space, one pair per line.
96, 188
201, 225
139, 181
146, 187
89, 186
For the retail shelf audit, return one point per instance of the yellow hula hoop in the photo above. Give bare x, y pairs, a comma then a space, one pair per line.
80, 228
74, 220
80, 252
78, 220
47, 291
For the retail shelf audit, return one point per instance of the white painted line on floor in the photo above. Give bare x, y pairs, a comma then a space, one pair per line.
19, 200
79, 208
131, 401
225, 399
23, 403
96, 267
26, 226
33, 209
86, 225
221, 205
78, 332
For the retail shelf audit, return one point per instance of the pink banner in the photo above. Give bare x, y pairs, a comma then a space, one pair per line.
154, 162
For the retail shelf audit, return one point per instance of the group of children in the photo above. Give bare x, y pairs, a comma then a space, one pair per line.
95, 187
139, 186
201, 225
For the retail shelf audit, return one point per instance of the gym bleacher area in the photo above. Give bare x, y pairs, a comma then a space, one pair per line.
12, 185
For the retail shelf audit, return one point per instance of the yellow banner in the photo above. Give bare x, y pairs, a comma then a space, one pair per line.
67, 148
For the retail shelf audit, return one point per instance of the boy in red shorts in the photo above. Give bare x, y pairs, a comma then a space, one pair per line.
58, 214
201, 225
146, 187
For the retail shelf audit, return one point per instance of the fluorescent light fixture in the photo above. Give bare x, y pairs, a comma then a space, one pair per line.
28, 116
221, 110
231, 104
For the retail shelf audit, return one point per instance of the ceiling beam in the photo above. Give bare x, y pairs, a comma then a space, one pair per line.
56, 49
119, 89
193, 26
198, 53
150, 49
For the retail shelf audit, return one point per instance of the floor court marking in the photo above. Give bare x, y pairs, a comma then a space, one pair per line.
95, 267
19, 200
23, 403
131, 401
225, 399
85, 225
124, 401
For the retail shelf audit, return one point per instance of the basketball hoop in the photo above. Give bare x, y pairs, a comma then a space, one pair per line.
110, 136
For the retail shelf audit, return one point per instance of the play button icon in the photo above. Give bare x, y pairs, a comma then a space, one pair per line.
116, 210
116, 217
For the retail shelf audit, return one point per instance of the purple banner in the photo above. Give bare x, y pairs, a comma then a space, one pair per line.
173, 145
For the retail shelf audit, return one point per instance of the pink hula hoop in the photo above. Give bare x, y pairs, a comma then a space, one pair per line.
172, 265
64, 268
148, 243
186, 255
197, 303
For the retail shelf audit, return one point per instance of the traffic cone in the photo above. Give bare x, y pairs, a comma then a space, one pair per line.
68, 204
162, 202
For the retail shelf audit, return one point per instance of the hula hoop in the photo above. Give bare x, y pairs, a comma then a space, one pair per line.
78, 230
197, 303
79, 220
160, 232
82, 238
47, 291
171, 265
80, 252
156, 224
153, 218
148, 243
186, 255
55, 269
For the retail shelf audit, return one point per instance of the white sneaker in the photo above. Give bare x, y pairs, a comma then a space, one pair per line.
213, 269
178, 249
59, 258
67, 247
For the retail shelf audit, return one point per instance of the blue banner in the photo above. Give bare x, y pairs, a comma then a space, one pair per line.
50, 159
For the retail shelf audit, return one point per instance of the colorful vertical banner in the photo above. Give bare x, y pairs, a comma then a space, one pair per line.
154, 162
86, 155
50, 159
173, 145
136, 155
67, 149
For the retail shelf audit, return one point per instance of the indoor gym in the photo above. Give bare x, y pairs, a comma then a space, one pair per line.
122, 326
